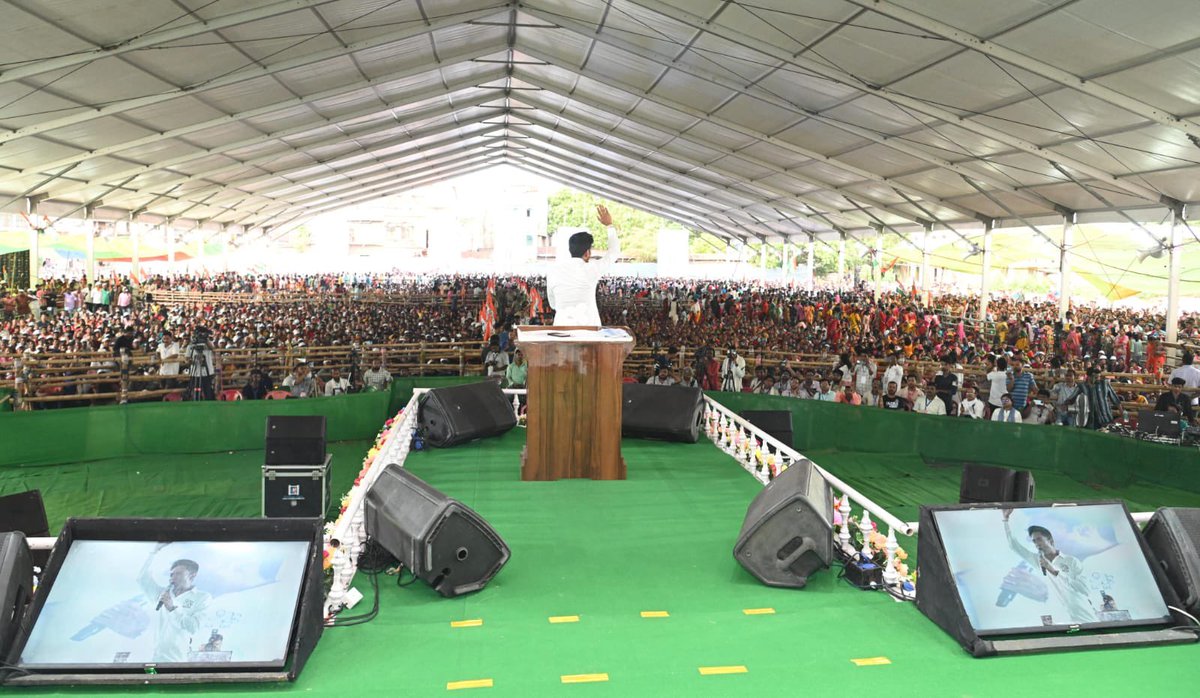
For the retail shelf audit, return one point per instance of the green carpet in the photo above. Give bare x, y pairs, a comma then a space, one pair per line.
607, 551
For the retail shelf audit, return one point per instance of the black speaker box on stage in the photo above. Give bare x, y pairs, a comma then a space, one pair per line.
16, 586
441, 540
1173, 535
25, 512
777, 423
462, 413
788, 531
981, 484
667, 412
295, 440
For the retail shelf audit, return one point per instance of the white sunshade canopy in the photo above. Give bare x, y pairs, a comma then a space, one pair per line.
767, 119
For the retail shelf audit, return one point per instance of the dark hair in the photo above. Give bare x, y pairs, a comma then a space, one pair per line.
1178, 381
189, 565
1001, 363
579, 243
1040, 529
1188, 357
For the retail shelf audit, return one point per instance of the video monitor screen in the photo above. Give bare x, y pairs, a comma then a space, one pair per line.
1038, 568
185, 603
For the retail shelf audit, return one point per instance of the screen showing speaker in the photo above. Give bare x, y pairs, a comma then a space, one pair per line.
184, 602
1033, 568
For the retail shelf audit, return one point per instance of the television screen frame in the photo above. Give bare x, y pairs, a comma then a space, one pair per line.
306, 615
1057, 628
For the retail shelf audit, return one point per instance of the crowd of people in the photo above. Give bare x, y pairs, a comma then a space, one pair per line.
864, 343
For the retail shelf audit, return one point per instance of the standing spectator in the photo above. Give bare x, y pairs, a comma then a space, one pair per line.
124, 300
733, 369
864, 372
1061, 395
169, 352
946, 383
895, 371
1101, 399
517, 372
1023, 385
1187, 371
1041, 411
998, 380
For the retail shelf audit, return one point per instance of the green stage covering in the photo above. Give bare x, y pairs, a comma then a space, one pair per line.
607, 551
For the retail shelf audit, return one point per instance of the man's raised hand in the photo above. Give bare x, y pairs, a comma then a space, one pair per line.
605, 216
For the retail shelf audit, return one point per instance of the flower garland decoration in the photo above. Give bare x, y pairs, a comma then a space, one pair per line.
864, 535
330, 526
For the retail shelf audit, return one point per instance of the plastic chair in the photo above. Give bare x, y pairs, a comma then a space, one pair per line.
230, 395
173, 397
278, 395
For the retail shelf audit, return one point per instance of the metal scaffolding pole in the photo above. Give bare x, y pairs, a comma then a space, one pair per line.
877, 268
812, 270
35, 235
841, 258
89, 218
926, 279
135, 253
169, 234
1064, 266
987, 269
1175, 259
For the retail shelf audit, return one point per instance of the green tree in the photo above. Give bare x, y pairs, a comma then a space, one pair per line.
638, 230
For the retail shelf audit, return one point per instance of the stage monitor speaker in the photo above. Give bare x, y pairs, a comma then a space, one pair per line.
788, 531
1173, 535
441, 540
462, 413
667, 412
982, 484
16, 586
25, 512
777, 423
295, 440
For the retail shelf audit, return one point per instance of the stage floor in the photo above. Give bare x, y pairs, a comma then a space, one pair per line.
609, 552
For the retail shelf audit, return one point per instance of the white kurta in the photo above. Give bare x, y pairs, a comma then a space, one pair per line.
1069, 585
571, 286
174, 629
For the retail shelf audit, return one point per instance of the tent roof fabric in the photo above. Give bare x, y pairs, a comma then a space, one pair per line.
749, 119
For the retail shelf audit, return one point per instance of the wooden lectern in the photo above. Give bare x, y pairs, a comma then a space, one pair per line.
573, 403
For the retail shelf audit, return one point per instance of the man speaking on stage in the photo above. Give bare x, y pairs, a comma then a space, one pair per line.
571, 286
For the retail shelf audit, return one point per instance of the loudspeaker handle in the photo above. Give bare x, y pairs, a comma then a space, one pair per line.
809, 545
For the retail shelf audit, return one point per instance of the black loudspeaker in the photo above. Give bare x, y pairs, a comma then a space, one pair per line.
777, 423
25, 512
981, 484
1173, 535
16, 586
462, 413
298, 440
668, 412
788, 531
440, 540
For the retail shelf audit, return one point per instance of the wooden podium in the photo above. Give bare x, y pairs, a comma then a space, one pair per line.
573, 403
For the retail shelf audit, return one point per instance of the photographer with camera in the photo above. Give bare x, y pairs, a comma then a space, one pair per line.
733, 369
201, 366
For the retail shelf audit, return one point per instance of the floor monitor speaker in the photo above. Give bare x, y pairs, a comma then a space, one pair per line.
788, 531
1173, 535
16, 586
441, 540
777, 423
667, 412
982, 484
295, 440
462, 413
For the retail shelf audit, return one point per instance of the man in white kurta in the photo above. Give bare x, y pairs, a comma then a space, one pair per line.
571, 286
1063, 573
179, 608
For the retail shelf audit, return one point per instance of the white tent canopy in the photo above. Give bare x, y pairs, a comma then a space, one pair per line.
768, 119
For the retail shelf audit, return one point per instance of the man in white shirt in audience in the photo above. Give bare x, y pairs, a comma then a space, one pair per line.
1006, 413
337, 384
971, 406
929, 402
663, 377
894, 372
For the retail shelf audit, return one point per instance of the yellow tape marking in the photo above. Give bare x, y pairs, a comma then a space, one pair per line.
758, 611
474, 683
564, 619
584, 678
871, 661
473, 623
655, 614
717, 670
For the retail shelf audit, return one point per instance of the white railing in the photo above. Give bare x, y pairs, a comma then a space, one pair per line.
764, 456
346, 536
